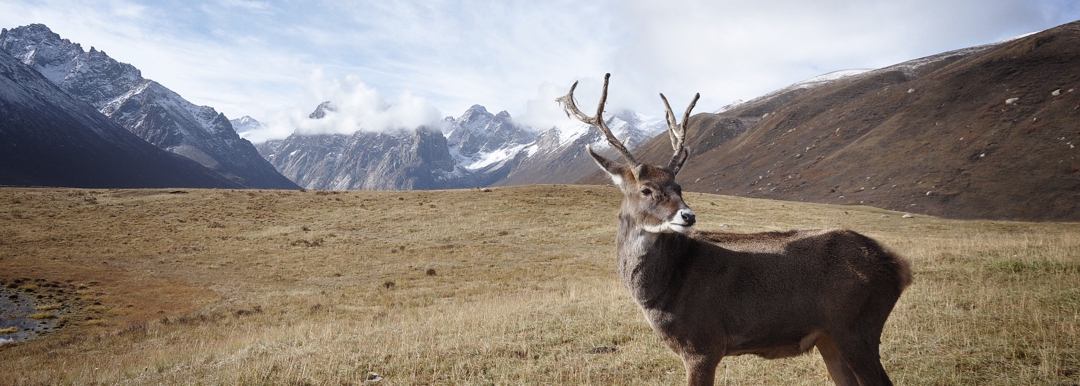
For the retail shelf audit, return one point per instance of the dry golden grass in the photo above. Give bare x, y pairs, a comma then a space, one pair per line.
514, 286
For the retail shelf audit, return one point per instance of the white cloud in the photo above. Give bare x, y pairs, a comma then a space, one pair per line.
246, 57
542, 112
256, 6
240, 74
356, 107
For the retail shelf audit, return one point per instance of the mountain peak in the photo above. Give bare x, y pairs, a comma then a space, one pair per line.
39, 31
143, 107
37, 34
476, 109
628, 116
67, 65
246, 120
244, 124
37, 44
474, 114
320, 111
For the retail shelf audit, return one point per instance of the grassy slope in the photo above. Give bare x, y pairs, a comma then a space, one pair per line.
220, 286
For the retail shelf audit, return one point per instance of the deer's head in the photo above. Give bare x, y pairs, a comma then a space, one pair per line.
651, 197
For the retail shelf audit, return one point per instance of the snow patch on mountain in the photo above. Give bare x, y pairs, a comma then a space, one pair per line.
730, 106
910, 67
829, 77
477, 148
495, 157
244, 125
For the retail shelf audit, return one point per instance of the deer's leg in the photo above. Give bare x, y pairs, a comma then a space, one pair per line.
862, 357
700, 369
838, 369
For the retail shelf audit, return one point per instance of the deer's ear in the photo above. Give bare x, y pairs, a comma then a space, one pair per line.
614, 170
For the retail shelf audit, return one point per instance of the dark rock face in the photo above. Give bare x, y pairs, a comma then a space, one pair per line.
49, 138
320, 111
142, 106
402, 160
480, 149
478, 131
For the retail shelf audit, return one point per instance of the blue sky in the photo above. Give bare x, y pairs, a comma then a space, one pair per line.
276, 60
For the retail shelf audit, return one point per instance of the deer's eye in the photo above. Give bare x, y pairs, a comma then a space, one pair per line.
646, 191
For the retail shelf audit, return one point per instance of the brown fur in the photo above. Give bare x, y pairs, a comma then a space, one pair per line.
777, 294
708, 295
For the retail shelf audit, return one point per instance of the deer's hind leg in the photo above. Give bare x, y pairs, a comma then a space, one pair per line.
838, 369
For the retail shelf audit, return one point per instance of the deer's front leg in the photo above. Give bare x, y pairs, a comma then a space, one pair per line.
700, 369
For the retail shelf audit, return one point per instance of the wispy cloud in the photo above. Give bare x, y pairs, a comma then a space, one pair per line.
254, 6
355, 107
247, 57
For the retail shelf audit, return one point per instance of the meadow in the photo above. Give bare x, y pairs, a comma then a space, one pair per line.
508, 286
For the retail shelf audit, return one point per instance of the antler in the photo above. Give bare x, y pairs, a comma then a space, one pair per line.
597, 120
677, 134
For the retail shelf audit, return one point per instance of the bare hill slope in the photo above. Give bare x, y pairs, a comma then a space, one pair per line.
985, 132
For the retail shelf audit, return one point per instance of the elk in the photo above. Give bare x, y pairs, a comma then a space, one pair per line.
708, 295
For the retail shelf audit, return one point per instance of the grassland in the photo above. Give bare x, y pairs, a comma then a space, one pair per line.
512, 286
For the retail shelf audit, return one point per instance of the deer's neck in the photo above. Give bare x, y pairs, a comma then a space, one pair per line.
649, 263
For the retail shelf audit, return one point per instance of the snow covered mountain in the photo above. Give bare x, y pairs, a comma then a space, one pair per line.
477, 134
486, 146
49, 138
402, 160
477, 148
142, 106
244, 125
398, 160
558, 156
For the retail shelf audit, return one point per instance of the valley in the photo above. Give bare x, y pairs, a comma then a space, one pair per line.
515, 285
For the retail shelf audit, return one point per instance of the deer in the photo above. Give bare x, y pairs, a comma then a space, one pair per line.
708, 295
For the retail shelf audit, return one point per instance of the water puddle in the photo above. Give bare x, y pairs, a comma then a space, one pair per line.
21, 318
29, 309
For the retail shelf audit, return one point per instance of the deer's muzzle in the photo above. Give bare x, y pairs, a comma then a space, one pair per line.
683, 220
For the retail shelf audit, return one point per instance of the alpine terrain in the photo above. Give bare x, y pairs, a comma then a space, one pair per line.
49, 138
985, 132
142, 106
475, 149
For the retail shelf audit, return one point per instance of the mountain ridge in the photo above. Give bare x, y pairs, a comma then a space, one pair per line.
476, 149
142, 106
50, 138
982, 132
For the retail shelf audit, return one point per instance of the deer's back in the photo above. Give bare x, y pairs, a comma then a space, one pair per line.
750, 271
766, 292
860, 255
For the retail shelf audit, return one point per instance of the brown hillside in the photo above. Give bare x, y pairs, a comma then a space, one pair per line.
932, 136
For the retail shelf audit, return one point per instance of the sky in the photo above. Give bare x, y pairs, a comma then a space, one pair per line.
410, 62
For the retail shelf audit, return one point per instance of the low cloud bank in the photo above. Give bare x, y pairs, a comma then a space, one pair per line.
356, 107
